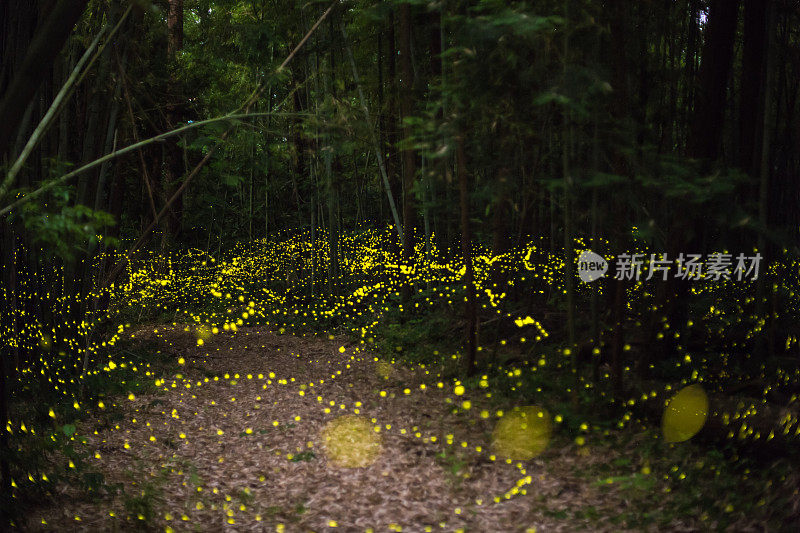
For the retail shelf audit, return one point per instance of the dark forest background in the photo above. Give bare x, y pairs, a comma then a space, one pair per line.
607, 115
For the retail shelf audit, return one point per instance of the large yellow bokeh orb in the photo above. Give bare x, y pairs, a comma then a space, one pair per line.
523, 433
204, 332
685, 414
350, 441
384, 369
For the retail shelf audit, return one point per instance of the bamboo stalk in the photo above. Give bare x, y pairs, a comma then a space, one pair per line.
88, 166
374, 138
58, 101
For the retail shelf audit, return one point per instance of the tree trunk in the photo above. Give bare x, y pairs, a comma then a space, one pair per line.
173, 153
692, 47
409, 157
470, 309
175, 27
8, 272
620, 111
299, 142
392, 163
709, 113
753, 50
765, 345
375, 141
266, 152
333, 234
500, 212
569, 265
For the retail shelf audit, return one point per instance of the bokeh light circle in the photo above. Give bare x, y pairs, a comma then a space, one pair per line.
350, 441
685, 414
523, 433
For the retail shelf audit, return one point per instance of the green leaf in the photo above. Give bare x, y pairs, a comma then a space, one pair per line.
231, 180
551, 97
604, 179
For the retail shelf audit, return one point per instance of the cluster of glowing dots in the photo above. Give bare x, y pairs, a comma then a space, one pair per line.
372, 277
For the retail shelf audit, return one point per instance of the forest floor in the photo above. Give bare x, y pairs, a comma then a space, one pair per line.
243, 452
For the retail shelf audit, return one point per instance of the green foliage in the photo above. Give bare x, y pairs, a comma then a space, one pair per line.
454, 464
63, 229
303, 456
141, 503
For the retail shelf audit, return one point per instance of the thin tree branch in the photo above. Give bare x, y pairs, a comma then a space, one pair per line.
57, 104
46, 44
44, 188
117, 268
260, 90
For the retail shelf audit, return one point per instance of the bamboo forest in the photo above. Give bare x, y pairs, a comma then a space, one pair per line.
469, 266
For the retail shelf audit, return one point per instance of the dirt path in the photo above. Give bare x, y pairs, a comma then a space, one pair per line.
243, 452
